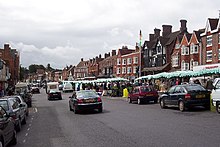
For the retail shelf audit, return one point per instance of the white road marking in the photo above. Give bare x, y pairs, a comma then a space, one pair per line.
29, 125
24, 141
26, 134
28, 129
35, 109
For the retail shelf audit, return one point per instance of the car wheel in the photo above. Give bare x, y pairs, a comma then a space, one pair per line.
14, 138
162, 104
70, 108
1, 143
129, 100
18, 127
218, 107
100, 110
75, 111
24, 120
181, 106
139, 101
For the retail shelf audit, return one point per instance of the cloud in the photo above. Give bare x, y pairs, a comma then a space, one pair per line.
62, 32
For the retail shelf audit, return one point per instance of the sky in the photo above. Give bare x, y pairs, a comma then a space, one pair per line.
61, 32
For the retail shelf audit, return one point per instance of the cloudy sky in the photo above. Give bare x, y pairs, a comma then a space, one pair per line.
61, 32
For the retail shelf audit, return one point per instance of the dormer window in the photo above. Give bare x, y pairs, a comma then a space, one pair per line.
194, 49
177, 46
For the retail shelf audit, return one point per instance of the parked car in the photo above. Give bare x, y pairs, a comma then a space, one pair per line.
53, 91
143, 94
185, 96
68, 87
13, 109
85, 100
7, 130
22, 103
215, 95
23, 90
35, 89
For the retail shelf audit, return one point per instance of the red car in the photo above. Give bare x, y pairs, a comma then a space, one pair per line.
143, 94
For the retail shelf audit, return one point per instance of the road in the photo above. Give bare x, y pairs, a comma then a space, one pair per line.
51, 124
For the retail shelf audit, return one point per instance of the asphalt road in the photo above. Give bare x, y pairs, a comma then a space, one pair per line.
51, 124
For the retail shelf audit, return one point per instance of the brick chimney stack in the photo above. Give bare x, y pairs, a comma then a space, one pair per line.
151, 37
113, 52
183, 27
167, 29
81, 59
156, 33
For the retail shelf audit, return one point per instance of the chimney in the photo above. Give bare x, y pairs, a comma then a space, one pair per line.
81, 59
100, 56
6, 46
167, 29
113, 52
106, 55
156, 33
183, 27
109, 54
151, 37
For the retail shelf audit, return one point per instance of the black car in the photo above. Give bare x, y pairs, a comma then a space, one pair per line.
185, 96
7, 130
85, 100
14, 109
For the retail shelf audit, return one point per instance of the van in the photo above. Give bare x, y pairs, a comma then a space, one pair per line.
53, 91
215, 95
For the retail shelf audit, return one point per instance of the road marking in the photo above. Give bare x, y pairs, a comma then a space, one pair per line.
28, 129
24, 141
35, 109
26, 134
29, 125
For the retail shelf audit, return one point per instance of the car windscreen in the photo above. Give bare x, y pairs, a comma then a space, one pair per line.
86, 94
146, 89
191, 88
4, 104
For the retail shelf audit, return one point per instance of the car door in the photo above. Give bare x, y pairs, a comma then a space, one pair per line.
22, 107
136, 94
175, 96
6, 125
168, 98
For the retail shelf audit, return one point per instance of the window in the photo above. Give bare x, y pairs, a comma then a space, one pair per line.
123, 70
177, 46
123, 61
184, 65
209, 40
219, 54
118, 61
184, 50
219, 38
208, 56
195, 63
129, 61
159, 49
135, 60
175, 61
118, 70
194, 49
129, 70
134, 69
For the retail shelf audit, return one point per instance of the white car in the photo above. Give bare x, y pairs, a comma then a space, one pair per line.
68, 87
215, 95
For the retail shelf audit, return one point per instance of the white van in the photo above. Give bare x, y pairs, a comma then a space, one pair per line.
215, 95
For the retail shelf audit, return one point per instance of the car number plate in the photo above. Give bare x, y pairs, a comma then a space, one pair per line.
200, 96
89, 101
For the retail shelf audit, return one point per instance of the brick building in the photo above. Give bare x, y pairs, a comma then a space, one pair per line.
12, 59
81, 70
107, 66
